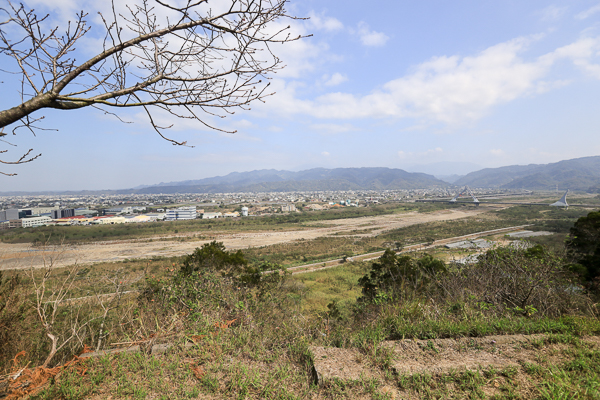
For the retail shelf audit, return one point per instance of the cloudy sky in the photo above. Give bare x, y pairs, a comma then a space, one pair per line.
393, 84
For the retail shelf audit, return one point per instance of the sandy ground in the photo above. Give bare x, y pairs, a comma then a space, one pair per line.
23, 256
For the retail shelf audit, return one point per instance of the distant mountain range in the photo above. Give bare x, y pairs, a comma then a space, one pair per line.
581, 174
444, 168
270, 180
576, 174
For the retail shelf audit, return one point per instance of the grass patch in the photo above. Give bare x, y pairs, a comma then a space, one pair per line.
339, 285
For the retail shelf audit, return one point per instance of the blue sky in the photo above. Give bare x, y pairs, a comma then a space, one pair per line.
393, 84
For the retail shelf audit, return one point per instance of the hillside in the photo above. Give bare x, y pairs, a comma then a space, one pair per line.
309, 180
576, 174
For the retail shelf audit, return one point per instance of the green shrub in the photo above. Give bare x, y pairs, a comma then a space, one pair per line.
525, 281
213, 256
396, 276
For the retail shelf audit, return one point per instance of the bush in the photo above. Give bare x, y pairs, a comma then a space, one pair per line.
212, 277
213, 257
524, 281
396, 276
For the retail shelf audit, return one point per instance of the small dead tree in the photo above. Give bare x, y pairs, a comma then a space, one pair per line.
51, 294
181, 58
118, 283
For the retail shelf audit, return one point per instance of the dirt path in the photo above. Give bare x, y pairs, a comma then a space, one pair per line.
437, 356
22, 256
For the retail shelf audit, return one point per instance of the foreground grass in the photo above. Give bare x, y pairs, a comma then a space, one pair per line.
335, 285
230, 364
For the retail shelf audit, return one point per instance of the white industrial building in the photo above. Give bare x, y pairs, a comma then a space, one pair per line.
175, 214
211, 215
110, 220
35, 221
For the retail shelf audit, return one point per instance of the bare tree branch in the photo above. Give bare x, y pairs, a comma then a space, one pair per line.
194, 60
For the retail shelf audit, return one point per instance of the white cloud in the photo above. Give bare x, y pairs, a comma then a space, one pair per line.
334, 79
589, 12
453, 89
299, 56
332, 128
553, 13
497, 152
325, 153
369, 37
320, 22
447, 89
581, 53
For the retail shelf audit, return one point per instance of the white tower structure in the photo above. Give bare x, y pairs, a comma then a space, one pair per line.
562, 202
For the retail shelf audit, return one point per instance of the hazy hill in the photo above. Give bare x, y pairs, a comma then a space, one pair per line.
309, 180
576, 174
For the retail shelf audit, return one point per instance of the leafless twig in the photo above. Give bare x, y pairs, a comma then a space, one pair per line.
196, 64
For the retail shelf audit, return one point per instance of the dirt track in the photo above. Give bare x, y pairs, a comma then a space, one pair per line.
437, 356
22, 256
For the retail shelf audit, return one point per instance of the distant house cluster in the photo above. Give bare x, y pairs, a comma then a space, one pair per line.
30, 218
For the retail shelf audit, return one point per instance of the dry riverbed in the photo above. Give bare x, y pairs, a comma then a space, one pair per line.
24, 256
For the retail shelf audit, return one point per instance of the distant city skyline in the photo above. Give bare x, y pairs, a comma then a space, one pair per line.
394, 84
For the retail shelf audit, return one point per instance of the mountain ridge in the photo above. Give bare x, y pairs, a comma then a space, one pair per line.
576, 174
366, 178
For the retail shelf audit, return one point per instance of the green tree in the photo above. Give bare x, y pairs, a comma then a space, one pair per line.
584, 244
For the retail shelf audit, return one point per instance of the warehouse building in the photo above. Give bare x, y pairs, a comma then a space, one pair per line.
35, 221
211, 215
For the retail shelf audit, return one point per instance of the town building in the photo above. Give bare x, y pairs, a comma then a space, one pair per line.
211, 215
110, 220
288, 208
85, 211
157, 216
176, 214
64, 213
9, 214
35, 221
